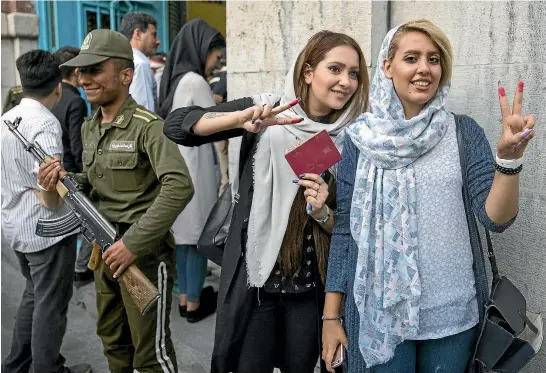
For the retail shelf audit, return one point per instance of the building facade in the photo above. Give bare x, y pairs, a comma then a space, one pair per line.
491, 41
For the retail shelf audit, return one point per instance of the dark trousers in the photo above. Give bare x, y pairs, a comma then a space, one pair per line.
283, 330
40, 324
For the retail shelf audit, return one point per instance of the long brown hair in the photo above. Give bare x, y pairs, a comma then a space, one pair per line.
291, 248
312, 54
314, 51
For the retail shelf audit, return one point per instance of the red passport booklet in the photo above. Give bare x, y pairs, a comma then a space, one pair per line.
315, 155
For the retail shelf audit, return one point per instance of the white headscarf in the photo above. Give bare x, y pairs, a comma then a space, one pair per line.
274, 191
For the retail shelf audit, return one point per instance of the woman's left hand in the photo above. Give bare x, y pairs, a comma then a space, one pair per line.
316, 192
517, 130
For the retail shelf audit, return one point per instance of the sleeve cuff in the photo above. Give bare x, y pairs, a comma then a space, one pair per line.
491, 226
131, 241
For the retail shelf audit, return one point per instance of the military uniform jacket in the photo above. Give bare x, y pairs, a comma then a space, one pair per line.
137, 175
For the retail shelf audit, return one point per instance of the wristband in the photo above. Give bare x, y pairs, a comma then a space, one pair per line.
325, 219
509, 163
324, 318
508, 171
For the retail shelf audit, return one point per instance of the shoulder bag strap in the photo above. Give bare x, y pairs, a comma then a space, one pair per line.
466, 194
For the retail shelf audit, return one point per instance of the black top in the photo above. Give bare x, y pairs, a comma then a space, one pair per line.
235, 299
304, 279
71, 111
178, 128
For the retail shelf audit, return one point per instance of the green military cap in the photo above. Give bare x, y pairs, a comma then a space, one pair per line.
100, 45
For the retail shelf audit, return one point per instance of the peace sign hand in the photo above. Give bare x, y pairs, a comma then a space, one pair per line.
257, 117
517, 130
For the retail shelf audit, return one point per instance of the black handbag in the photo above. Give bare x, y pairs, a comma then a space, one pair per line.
216, 230
213, 238
510, 335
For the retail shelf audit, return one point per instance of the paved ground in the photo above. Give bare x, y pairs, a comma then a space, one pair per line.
193, 342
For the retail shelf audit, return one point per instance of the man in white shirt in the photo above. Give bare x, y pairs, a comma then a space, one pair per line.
47, 263
141, 30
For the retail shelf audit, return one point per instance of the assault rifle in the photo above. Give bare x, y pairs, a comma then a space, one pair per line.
94, 227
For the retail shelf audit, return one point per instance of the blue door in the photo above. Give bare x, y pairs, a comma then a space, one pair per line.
68, 22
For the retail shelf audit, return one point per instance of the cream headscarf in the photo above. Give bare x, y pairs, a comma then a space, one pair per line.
274, 191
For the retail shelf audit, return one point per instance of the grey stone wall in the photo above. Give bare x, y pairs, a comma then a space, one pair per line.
491, 41
19, 35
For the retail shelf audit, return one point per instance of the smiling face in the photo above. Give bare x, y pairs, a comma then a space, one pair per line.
333, 82
105, 83
415, 71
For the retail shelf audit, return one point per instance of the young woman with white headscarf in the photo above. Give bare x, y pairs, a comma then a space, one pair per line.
274, 263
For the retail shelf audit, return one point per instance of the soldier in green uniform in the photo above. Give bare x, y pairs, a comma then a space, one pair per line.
141, 184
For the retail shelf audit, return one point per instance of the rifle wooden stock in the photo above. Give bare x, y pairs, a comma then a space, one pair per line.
142, 291
94, 259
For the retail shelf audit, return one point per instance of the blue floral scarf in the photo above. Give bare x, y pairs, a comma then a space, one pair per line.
387, 286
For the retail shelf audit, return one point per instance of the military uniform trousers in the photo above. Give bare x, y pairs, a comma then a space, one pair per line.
131, 340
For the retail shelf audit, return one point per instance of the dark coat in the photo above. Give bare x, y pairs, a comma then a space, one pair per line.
235, 298
71, 111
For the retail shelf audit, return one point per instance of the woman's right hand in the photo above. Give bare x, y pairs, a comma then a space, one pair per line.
333, 335
257, 117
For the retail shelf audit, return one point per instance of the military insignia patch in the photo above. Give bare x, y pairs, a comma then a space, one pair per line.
119, 119
86, 42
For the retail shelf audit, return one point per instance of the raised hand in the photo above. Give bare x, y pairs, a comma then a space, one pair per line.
257, 117
517, 130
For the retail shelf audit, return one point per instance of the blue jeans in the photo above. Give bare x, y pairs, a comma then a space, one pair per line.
191, 268
445, 355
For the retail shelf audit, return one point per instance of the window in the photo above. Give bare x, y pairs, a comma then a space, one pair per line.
97, 17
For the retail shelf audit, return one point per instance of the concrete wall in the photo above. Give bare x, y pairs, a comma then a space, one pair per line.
491, 41
19, 35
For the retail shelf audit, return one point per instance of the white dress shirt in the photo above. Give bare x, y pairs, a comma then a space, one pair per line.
20, 206
142, 87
